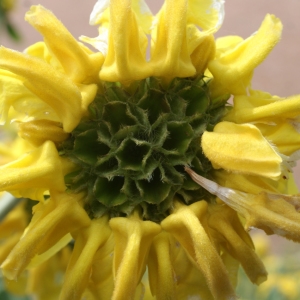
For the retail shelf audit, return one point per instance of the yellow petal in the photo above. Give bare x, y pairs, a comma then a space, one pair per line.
101, 283
40, 50
207, 14
77, 63
39, 170
88, 94
45, 281
14, 93
39, 131
15, 149
133, 238
169, 51
100, 13
15, 221
10, 243
45, 82
87, 242
283, 135
143, 14
236, 240
250, 183
52, 221
39, 259
190, 281
203, 53
232, 266
241, 148
161, 273
125, 60
232, 71
262, 107
185, 225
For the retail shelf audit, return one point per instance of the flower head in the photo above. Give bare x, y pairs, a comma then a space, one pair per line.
142, 165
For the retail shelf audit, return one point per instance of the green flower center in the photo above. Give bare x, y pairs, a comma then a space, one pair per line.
132, 149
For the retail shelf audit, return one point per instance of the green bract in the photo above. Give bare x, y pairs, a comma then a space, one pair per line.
132, 149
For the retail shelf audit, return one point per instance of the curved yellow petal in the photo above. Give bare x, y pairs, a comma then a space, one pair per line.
125, 60
53, 220
87, 242
39, 170
143, 14
133, 238
49, 85
190, 282
203, 53
45, 281
39, 131
80, 66
10, 243
88, 94
263, 107
101, 283
242, 149
41, 50
251, 183
232, 266
160, 269
15, 94
185, 224
39, 259
207, 14
283, 135
232, 71
169, 50
225, 222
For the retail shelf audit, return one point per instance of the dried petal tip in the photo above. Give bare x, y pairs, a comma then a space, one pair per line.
263, 210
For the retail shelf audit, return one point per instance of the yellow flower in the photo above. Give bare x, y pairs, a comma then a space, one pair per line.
142, 165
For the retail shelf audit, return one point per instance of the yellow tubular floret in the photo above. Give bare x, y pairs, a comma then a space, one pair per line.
45, 281
13, 92
169, 51
11, 229
34, 173
284, 136
125, 60
263, 107
88, 240
101, 283
232, 266
233, 70
79, 66
190, 282
250, 183
38, 131
230, 233
242, 149
161, 272
185, 224
52, 221
133, 238
203, 53
52, 87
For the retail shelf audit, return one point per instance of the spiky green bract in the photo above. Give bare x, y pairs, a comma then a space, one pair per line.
132, 150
